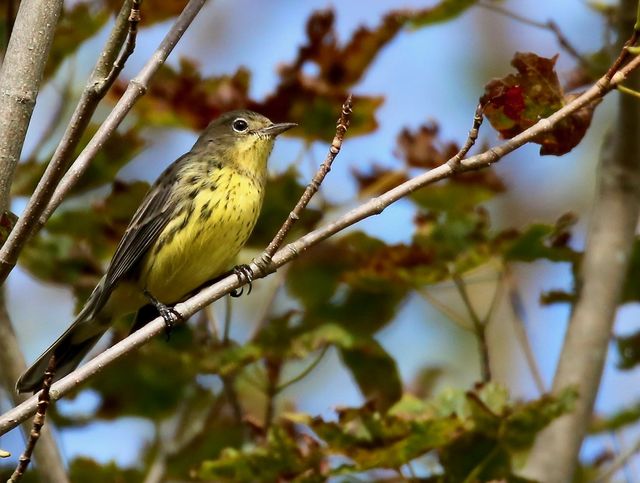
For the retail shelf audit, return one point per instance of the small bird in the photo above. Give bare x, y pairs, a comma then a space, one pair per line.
187, 231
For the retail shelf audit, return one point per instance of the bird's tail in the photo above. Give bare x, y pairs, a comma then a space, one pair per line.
70, 348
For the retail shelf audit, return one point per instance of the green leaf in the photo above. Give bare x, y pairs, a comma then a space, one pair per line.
162, 375
375, 372
541, 241
285, 456
628, 350
86, 470
443, 11
616, 421
631, 290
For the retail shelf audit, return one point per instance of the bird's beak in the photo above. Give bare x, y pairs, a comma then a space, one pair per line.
276, 129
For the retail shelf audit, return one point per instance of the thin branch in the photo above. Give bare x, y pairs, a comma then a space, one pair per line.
274, 370
520, 326
38, 421
20, 78
479, 329
478, 116
264, 260
305, 372
101, 78
103, 85
630, 92
447, 311
136, 89
12, 362
618, 463
549, 25
292, 250
277, 284
227, 321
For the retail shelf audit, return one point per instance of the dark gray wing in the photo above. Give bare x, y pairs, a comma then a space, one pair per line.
145, 226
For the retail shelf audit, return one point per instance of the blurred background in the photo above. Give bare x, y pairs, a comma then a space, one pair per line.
434, 73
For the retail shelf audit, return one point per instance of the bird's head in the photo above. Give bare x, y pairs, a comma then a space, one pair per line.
244, 137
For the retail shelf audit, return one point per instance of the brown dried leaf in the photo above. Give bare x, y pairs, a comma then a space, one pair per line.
516, 102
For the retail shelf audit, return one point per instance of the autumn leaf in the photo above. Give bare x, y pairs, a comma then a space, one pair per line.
518, 101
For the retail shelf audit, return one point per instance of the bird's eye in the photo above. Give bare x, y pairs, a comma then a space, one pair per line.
240, 125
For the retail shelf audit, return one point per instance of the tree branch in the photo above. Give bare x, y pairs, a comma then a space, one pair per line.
20, 77
136, 88
103, 75
12, 363
479, 329
38, 423
312, 188
603, 272
292, 250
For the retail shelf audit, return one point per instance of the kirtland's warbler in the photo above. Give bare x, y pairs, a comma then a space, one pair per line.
188, 230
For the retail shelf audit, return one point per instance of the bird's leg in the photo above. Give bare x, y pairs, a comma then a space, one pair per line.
245, 275
168, 314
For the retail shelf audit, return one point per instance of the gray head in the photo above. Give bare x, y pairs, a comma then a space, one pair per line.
241, 130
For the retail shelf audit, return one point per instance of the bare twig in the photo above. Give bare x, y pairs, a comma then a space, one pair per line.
549, 25
471, 138
292, 250
38, 421
305, 372
229, 380
136, 88
133, 20
280, 279
602, 275
274, 370
444, 309
479, 329
12, 362
20, 77
519, 324
618, 463
103, 75
264, 260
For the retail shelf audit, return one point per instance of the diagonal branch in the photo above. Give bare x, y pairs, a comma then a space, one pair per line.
370, 208
104, 74
312, 188
20, 78
137, 87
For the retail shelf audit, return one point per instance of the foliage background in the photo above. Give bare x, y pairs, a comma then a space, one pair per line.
435, 72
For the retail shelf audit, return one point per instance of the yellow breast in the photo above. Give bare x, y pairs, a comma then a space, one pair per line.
204, 238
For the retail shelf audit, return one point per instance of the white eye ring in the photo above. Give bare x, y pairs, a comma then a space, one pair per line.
240, 125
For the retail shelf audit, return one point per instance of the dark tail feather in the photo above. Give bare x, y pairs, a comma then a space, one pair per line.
69, 350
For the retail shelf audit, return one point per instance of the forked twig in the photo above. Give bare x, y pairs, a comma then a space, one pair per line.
264, 260
44, 400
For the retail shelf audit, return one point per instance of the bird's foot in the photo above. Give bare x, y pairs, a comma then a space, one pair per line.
168, 314
245, 275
